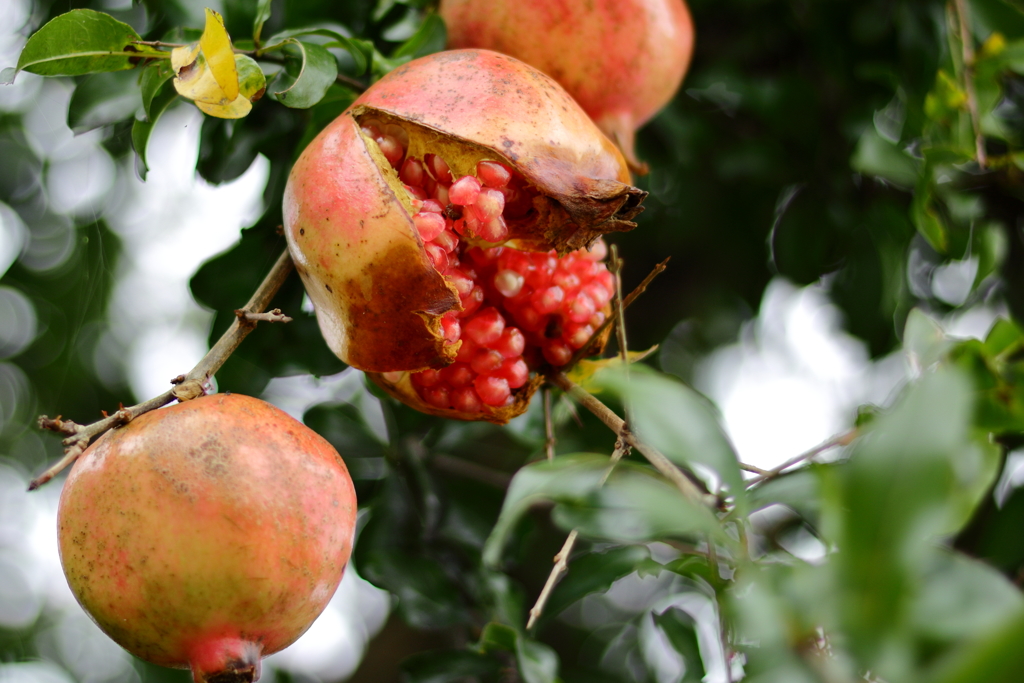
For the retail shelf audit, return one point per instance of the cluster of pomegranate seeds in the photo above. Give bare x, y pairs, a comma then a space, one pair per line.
520, 309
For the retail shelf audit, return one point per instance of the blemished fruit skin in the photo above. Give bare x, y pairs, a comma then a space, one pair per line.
622, 60
379, 298
208, 534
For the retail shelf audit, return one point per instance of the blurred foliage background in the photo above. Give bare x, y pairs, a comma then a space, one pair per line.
826, 143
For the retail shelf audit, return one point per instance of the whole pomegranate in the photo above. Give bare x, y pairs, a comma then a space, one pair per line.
427, 222
622, 60
208, 534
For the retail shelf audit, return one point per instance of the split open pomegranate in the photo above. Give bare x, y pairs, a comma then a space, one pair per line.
447, 230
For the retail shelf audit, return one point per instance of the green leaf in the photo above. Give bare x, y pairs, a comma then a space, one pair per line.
993, 656
680, 630
102, 99
538, 663
360, 50
78, 42
153, 86
497, 636
677, 421
899, 493
309, 71
565, 476
430, 37
446, 666
960, 597
595, 573
876, 156
636, 505
160, 98
262, 14
924, 341
343, 425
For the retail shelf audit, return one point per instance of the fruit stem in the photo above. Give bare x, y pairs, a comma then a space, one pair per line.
80, 436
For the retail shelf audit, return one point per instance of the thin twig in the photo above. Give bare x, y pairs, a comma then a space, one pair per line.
157, 43
470, 470
585, 350
188, 386
561, 560
351, 82
972, 98
620, 319
844, 439
688, 488
561, 566
752, 468
274, 316
549, 426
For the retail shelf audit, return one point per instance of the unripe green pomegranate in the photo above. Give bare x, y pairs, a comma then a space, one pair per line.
208, 534
622, 60
447, 229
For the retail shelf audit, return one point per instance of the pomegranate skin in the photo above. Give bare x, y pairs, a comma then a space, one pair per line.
208, 534
378, 298
622, 60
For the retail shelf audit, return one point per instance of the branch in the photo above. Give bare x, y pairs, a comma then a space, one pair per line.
844, 439
562, 558
470, 470
640, 289
274, 316
185, 386
549, 426
688, 488
967, 43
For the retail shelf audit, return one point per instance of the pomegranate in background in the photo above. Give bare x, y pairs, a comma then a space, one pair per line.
208, 534
623, 60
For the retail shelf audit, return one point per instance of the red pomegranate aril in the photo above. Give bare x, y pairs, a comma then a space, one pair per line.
412, 172
370, 131
432, 206
430, 225
457, 375
547, 300
493, 391
515, 371
437, 396
508, 282
466, 400
489, 204
580, 308
464, 191
598, 250
451, 328
438, 168
472, 302
441, 194
426, 378
462, 282
392, 149
494, 230
567, 281
485, 327
582, 268
511, 343
486, 361
576, 335
597, 319
557, 352
398, 133
530, 319
447, 240
600, 295
493, 174
438, 257
417, 194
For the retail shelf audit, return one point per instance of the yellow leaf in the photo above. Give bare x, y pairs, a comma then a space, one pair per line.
216, 46
586, 369
195, 81
995, 44
252, 85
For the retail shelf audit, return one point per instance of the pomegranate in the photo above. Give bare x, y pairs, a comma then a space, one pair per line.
427, 222
622, 60
208, 534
